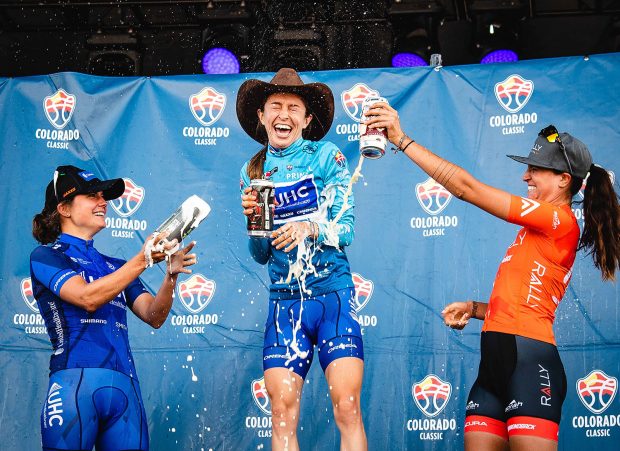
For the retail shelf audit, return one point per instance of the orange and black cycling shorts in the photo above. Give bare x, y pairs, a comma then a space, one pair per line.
520, 388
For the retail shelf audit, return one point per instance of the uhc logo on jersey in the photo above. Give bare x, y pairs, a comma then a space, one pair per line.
353, 98
196, 292
259, 394
27, 294
207, 106
597, 390
431, 395
131, 199
432, 196
296, 200
59, 108
363, 291
514, 92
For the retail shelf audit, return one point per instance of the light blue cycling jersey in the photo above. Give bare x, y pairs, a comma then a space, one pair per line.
310, 180
81, 339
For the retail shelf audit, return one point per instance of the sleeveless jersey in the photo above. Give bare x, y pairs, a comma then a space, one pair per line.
310, 180
535, 272
81, 339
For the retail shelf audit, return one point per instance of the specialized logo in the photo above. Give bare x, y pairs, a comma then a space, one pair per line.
528, 206
59, 108
363, 291
130, 200
207, 106
514, 92
28, 295
597, 391
196, 292
353, 98
431, 395
259, 394
432, 196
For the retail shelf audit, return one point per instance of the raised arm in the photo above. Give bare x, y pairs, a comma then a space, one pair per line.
455, 179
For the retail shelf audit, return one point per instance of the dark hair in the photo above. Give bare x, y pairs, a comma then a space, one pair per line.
46, 225
257, 162
601, 232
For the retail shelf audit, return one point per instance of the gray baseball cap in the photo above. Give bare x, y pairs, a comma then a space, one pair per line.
560, 151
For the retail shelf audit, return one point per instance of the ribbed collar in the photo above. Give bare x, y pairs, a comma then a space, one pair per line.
74, 240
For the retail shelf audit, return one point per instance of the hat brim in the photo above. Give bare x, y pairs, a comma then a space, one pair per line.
112, 189
253, 93
532, 162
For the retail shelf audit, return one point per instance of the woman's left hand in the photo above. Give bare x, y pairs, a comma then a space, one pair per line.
181, 259
291, 234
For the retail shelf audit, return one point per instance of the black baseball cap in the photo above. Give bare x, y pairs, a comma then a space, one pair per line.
70, 181
560, 151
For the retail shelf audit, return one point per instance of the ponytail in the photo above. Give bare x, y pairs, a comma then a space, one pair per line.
601, 232
256, 166
46, 225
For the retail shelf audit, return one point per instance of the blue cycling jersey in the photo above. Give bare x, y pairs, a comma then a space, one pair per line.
81, 339
310, 180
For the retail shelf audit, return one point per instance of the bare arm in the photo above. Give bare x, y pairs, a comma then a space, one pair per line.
154, 310
458, 314
455, 179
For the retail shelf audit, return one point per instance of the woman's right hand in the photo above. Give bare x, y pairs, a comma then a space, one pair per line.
457, 314
248, 202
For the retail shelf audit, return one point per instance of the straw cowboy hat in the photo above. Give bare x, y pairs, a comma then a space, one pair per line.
253, 93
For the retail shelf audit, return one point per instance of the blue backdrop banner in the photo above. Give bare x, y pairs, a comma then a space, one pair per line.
415, 249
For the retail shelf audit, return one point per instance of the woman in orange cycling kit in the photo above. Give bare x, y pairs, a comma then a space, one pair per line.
516, 401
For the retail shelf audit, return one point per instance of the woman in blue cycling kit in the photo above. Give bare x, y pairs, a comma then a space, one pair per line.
313, 304
93, 397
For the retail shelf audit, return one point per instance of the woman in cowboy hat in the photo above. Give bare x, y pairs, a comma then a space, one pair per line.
94, 396
311, 296
516, 401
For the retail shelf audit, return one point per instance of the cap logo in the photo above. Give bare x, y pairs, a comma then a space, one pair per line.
536, 148
68, 192
86, 175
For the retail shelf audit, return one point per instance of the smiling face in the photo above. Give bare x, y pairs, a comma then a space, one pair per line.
84, 216
546, 185
284, 118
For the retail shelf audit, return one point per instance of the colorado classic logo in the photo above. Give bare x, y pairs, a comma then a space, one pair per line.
352, 100
597, 390
130, 200
363, 292
126, 205
433, 198
59, 108
195, 294
261, 423
431, 395
27, 294
512, 94
260, 397
207, 107
32, 322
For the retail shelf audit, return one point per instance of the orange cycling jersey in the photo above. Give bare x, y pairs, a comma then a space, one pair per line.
535, 272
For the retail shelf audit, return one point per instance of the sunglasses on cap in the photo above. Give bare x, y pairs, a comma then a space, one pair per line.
551, 134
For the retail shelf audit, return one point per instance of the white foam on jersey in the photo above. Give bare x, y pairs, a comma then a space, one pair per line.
303, 266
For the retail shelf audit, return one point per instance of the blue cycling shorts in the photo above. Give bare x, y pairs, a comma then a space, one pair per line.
88, 407
294, 327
